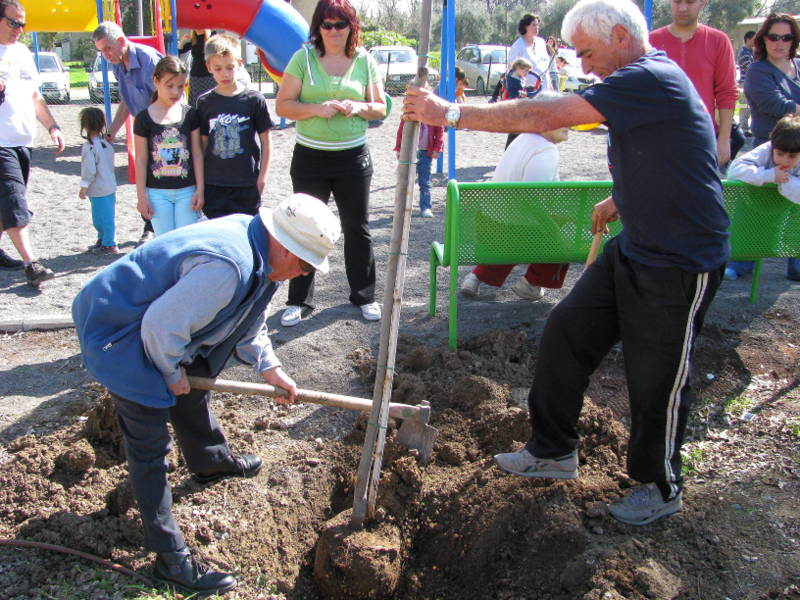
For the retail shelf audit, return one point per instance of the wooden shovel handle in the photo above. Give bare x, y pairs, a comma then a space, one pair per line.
598, 237
400, 411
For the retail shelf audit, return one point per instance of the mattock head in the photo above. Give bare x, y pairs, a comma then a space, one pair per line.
416, 433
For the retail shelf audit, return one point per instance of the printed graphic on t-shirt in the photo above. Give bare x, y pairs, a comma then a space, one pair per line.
170, 154
225, 134
11, 70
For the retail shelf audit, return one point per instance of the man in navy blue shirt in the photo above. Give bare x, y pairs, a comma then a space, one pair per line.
133, 65
653, 283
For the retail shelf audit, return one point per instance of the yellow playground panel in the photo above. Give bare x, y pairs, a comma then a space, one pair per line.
61, 15
77, 15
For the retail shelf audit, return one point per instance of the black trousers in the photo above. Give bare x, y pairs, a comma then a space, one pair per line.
147, 443
347, 175
656, 313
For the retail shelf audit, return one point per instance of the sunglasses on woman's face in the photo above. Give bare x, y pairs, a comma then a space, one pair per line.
14, 24
775, 37
337, 25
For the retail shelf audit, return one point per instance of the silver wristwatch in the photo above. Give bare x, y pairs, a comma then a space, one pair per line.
453, 115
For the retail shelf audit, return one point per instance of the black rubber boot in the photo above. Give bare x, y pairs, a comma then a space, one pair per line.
181, 570
246, 465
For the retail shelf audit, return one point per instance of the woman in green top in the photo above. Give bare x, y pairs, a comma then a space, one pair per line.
332, 88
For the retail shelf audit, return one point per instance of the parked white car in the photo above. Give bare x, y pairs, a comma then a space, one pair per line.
398, 67
576, 79
96, 82
483, 65
54, 77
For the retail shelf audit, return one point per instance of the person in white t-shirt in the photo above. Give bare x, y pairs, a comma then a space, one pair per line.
21, 105
533, 48
530, 157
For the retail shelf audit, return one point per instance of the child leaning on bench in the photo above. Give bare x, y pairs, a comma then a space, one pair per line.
777, 161
530, 157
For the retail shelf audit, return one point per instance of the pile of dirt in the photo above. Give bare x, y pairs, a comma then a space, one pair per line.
455, 528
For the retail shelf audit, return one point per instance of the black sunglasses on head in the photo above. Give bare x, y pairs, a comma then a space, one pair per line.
337, 25
775, 37
14, 23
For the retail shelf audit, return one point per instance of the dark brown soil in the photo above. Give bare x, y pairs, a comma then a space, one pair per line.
458, 527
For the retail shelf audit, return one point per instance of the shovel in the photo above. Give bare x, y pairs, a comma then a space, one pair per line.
414, 431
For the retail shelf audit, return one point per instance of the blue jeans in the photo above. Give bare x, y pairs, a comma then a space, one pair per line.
172, 208
424, 178
103, 218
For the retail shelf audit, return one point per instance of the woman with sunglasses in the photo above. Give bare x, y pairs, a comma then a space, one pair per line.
772, 87
332, 88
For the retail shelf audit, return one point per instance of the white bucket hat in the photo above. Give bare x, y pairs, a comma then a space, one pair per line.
305, 226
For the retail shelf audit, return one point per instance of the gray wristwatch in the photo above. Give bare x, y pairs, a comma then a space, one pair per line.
453, 115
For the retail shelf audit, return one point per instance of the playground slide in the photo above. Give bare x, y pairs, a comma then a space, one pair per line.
272, 25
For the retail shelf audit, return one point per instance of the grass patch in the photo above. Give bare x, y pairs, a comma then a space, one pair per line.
692, 460
141, 592
793, 425
737, 405
78, 77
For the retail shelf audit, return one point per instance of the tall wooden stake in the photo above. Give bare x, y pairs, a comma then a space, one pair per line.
369, 468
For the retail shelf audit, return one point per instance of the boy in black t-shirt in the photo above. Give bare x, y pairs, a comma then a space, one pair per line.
230, 117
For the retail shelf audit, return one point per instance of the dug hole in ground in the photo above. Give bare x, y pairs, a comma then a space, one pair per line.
456, 528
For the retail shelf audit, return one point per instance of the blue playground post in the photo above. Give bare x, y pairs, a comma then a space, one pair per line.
450, 8
104, 64
172, 39
648, 13
36, 49
444, 75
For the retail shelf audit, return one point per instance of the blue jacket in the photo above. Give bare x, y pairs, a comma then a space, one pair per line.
771, 95
108, 310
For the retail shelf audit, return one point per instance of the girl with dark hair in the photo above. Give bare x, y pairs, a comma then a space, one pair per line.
332, 88
98, 182
772, 87
169, 158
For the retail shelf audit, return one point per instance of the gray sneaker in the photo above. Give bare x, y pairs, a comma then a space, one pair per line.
37, 273
525, 464
644, 504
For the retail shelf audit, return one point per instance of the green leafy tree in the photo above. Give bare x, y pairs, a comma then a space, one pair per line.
786, 6
384, 37
553, 16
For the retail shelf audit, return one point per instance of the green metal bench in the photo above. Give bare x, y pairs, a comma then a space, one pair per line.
550, 222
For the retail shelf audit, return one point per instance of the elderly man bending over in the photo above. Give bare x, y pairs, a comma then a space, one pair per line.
184, 303
654, 282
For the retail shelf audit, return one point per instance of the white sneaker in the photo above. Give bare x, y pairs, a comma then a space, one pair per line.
292, 316
525, 464
470, 285
371, 311
426, 214
644, 504
525, 290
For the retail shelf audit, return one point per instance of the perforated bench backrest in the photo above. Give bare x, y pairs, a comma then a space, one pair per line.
763, 223
505, 223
